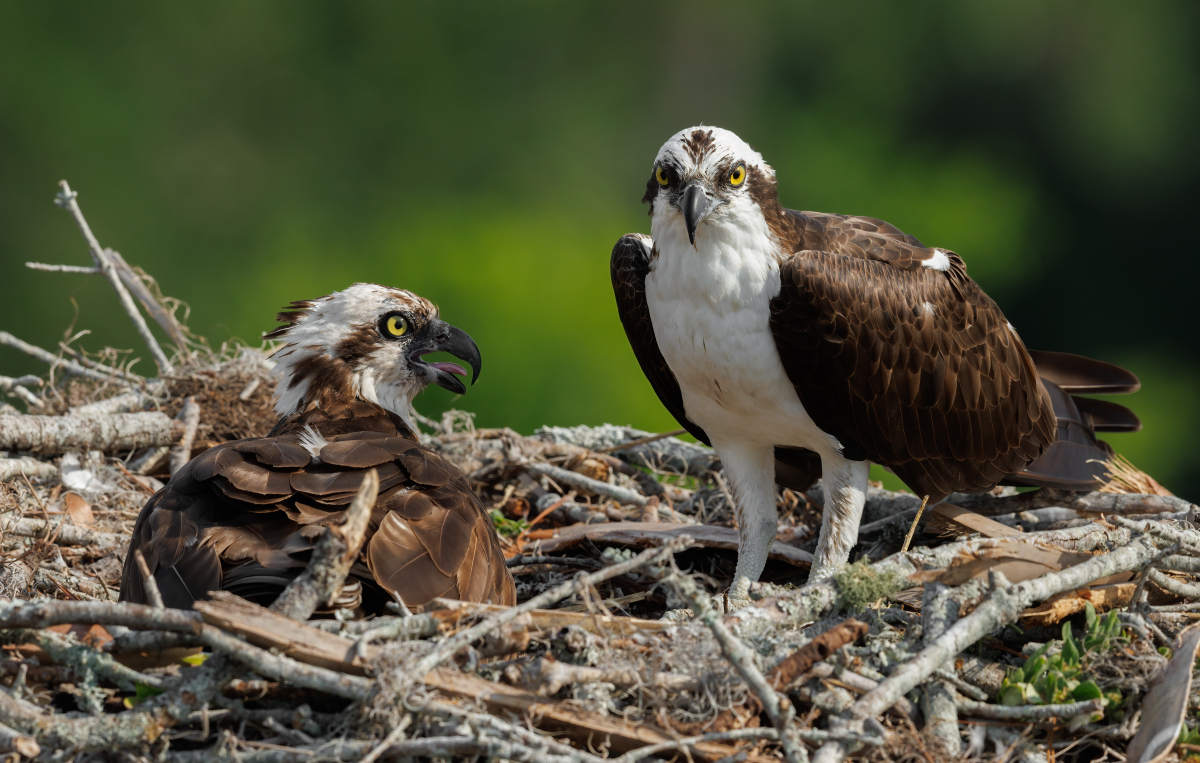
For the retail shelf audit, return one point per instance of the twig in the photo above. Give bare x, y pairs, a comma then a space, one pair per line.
11, 468
718, 736
163, 317
332, 557
83, 269
385, 747
54, 361
19, 388
189, 414
68, 535
779, 708
580, 482
81, 657
96, 365
641, 441
451, 645
148, 581
66, 199
1028, 712
246, 392
563, 561
912, 530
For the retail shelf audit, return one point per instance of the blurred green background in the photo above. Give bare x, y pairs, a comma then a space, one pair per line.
488, 156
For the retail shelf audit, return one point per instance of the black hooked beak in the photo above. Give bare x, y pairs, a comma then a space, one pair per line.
695, 206
459, 344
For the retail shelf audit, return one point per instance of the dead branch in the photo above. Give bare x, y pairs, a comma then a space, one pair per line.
137, 287
83, 269
798, 662
332, 557
11, 468
547, 677
66, 198
189, 416
1028, 712
58, 434
64, 534
587, 484
54, 361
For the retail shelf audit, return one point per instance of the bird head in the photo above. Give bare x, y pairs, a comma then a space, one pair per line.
365, 342
707, 175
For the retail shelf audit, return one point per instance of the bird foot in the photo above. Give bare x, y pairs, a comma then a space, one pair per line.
723, 603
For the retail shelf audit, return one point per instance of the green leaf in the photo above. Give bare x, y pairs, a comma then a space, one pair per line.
1087, 690
1012, 695
1035, 669
1070, 650
142, 692
1090, 613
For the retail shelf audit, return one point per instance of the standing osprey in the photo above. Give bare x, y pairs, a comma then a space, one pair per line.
241, 516
801, 344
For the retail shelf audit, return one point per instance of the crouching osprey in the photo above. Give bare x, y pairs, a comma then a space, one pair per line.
242, 515
801, 344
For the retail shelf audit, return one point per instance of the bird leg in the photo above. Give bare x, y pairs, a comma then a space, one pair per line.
845, 484
751, 474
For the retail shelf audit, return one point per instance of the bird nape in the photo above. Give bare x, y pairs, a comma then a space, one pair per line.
243, 516
804, 345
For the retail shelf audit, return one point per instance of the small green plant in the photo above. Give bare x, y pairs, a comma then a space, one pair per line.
1063, 677
142, 692
1189, 741
509, 528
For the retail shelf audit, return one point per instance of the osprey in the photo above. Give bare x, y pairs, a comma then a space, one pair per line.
802, 344
242, 515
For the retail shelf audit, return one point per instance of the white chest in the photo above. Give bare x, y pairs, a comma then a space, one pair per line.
710, 306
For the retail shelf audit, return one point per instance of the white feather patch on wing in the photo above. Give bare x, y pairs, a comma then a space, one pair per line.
937, 261
312, 441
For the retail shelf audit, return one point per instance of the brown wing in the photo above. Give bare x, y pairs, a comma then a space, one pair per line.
631, 258
913, 368
241, 516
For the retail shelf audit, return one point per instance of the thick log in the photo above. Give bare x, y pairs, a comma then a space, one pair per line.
58, 434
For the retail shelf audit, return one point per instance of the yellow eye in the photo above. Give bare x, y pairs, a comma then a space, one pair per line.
396, 325
661, 176
738, 176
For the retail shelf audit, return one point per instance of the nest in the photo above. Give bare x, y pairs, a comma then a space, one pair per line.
988, 639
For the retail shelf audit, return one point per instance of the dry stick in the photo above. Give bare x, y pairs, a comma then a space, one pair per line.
394, 736
68, 535
451, 645
12, 740
912, 530
1004, 605
641, 441
148, 581
719, 736
18, 387
779, 709
66, 198
245, 394
1177, 587
332, 557
62, 268
189, 414
484, 723
11, 468
58, 434
96, 365
580, 482
81, 657
163, 317
69, 366
1028, 712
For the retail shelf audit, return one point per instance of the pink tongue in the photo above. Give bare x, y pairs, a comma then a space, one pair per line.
453, 368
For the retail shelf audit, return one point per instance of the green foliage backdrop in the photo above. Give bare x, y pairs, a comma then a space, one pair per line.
488, 155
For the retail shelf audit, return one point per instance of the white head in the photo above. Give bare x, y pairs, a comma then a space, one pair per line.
365, 342
708, 175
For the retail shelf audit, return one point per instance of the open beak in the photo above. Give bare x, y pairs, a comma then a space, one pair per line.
459, 344
695, 206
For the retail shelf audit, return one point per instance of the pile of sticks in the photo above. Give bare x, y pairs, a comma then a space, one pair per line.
940, 649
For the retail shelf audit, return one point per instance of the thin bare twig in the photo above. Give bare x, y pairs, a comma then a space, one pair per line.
148, 581
83, 269
66, 199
